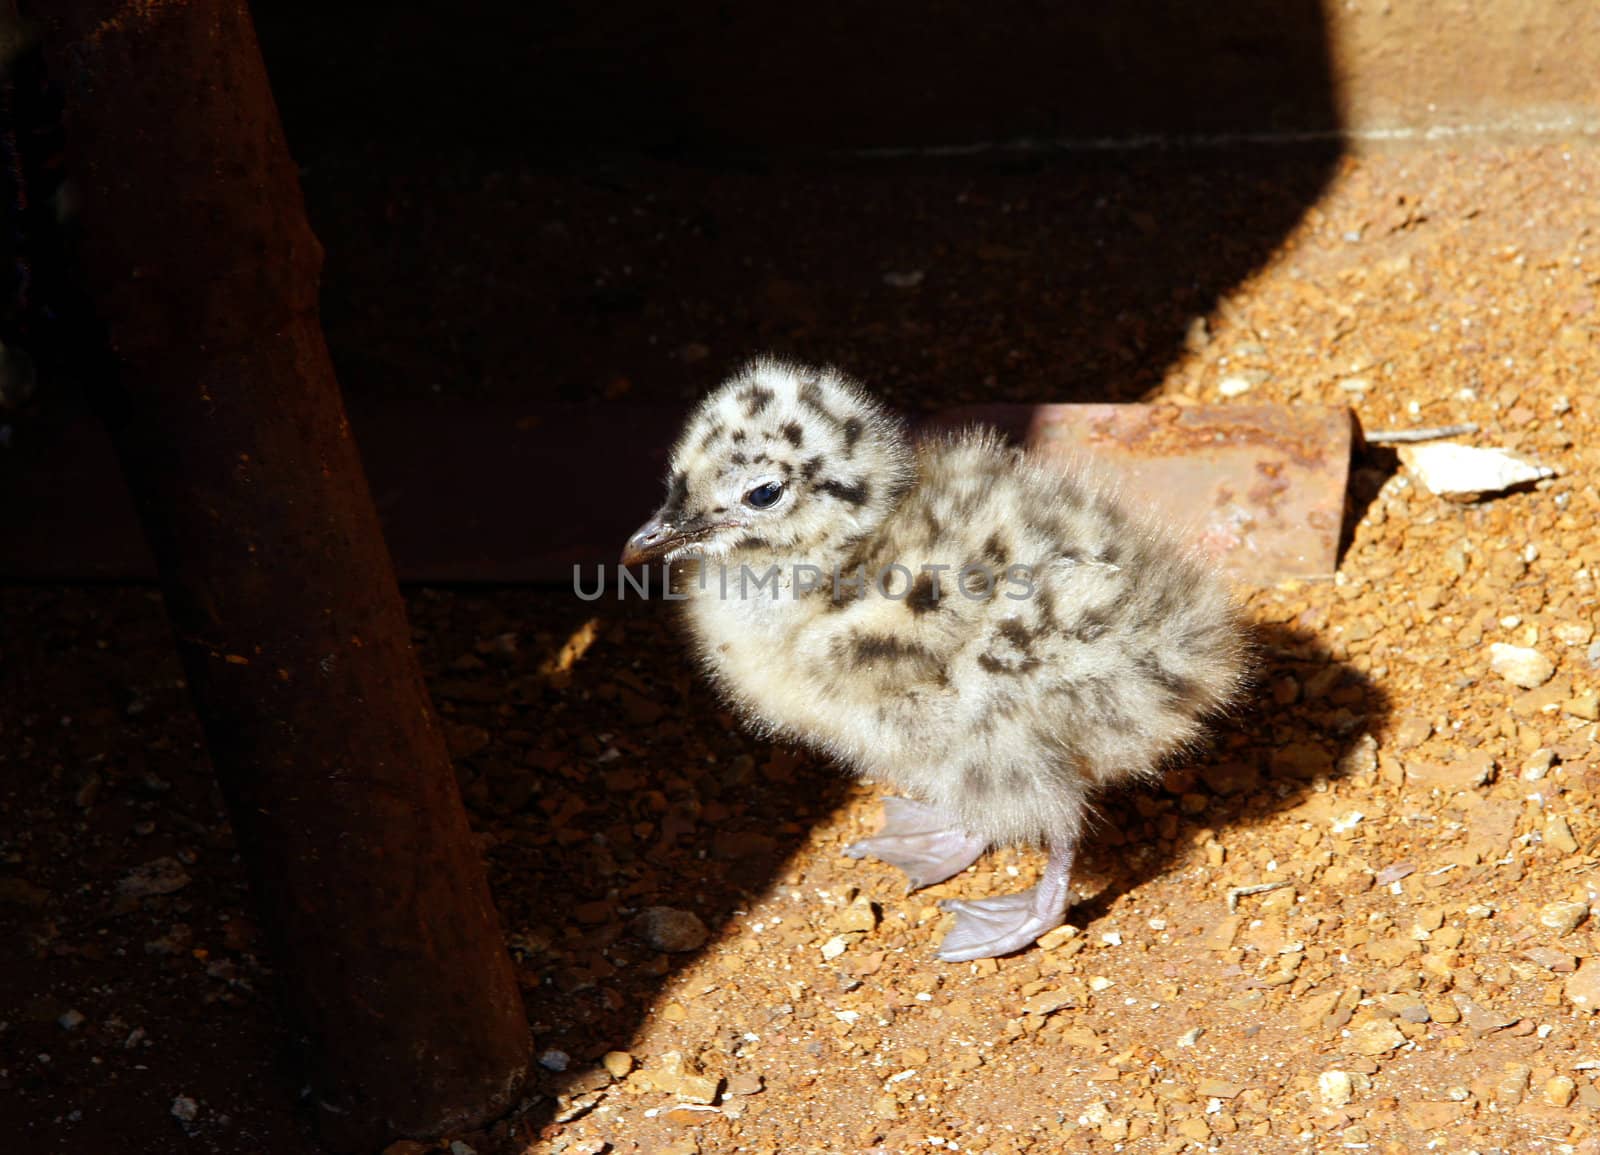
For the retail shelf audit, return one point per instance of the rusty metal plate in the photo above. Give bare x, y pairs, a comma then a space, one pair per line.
505, 492
1261, 488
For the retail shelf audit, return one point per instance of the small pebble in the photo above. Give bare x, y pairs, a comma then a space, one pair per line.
1572, 633
859, 916
1538, 764
185, 1109
837, 945
1048, 1002
159, 876
1520, 665
1060, 936
1582, 988
1335, 1088
1513, 1084
669, 929
1558, 1092
1412, 732
1377, 1037
554, 1060
71, 1021
1585, 706
618, 1064
1558, 835
1563, 917
699, 1088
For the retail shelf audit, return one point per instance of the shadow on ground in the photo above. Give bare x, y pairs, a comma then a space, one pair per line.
620, 202
617, 203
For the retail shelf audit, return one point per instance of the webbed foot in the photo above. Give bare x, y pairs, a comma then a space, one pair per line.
991, 927
920, 840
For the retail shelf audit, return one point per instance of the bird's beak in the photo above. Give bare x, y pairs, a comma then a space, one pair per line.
660, 536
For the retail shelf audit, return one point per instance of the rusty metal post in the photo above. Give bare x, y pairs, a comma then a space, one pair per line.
222, 401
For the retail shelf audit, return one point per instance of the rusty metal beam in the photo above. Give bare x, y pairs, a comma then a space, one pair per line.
224, 411
1263, 486
1259, 488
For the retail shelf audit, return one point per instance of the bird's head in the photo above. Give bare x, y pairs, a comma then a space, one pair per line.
781, 458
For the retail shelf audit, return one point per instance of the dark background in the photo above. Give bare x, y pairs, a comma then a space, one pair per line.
613, 204
621, 201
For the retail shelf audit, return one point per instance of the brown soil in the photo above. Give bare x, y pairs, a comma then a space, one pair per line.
1428, 820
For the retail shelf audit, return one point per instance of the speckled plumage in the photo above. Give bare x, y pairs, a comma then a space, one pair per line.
1099, 650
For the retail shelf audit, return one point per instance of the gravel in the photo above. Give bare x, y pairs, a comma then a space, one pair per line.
1393, 982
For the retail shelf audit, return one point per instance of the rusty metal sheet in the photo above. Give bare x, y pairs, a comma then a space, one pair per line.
1261, 488
507, 491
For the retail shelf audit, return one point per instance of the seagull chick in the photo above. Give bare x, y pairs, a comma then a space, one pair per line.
991, 636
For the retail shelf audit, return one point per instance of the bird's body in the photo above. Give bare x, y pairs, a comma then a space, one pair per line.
990, 636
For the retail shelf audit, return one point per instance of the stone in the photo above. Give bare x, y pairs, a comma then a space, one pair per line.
1375, 1037
1231, 777
1558, 1091
1563, 917
1582, 988
1558, 835
859, 917
618, 1064
669, 1076
1538, 764
1412, 732
1465, 774
1059, 937
1572, 633
1520, 665
1585, 706
1361, 757
1335, 1088
1301, 760
698, 1088
1407, 1005
159, 876
1430, 1116
21, 892
1513, 1084
1482, 1020
1551, 959
1049, 1002
837, 945
669, 929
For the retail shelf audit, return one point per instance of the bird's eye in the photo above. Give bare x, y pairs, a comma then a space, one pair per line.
764, 496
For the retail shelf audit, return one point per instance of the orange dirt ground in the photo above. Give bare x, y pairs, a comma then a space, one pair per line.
1361, 922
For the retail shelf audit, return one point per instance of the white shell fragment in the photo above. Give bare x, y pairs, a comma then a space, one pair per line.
1465, 473
1519, 665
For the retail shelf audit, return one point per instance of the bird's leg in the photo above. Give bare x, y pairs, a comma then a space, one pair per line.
990, 927
922, 841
